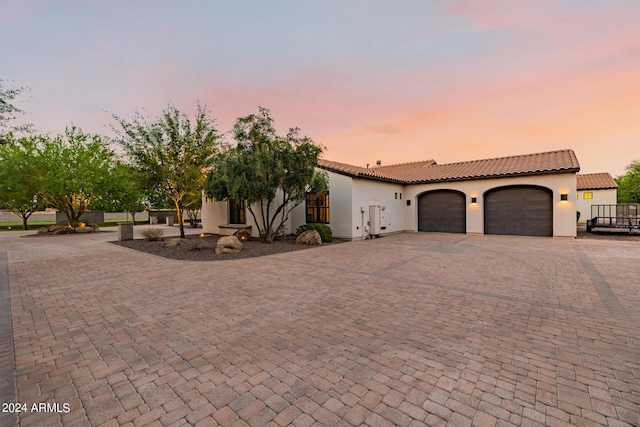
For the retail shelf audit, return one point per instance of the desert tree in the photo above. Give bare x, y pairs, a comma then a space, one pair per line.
125, 192
170, 153
74, 171
19, 177
269, 172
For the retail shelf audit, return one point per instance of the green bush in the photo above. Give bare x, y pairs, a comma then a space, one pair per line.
323, 230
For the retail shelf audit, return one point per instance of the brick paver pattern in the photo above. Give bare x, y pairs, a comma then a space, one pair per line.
407, 330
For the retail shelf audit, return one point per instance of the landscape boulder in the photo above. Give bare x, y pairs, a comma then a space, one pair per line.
176, 241
228, 245
83, 230
309, 237
62, 230
43, 230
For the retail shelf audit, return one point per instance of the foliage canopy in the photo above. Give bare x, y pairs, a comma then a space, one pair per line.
270, 173
170, 154
75, 170
629, 184
19, 183
9, 112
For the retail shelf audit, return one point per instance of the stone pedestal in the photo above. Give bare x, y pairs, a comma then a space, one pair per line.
125, 231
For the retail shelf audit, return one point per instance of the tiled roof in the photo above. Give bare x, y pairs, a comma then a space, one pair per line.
429, 171
379, 173
595, 181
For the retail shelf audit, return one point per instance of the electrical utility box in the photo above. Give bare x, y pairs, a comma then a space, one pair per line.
377, 220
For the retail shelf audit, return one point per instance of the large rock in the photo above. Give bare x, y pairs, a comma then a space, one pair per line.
309, 237
228, 245
176, 241
43, 230
83, 230
62, 230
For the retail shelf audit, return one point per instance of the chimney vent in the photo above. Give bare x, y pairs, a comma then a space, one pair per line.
378, 162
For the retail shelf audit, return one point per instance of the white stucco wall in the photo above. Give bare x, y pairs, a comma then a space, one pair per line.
347, 195
215, 213
564, 217
600, 197
340, 202
365, 193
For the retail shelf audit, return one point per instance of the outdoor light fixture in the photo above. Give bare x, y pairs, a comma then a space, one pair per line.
564, 196
408, 202
474, 200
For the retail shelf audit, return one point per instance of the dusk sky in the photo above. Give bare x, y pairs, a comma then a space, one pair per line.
395, 81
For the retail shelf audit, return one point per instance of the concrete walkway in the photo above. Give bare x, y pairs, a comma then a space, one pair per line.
412, 329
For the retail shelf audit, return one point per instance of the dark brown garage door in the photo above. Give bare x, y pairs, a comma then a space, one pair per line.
519, 210
442, 211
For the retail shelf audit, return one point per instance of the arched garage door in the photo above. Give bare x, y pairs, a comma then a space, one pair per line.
443, 211
519, 210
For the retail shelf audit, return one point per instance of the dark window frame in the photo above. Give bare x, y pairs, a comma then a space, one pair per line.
318, 208
237, 212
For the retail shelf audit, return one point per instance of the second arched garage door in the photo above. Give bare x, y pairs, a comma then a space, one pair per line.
443, 211
519, 210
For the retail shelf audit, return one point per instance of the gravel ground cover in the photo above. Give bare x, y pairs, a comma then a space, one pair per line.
196, 248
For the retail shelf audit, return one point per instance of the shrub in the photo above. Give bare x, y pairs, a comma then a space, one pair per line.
152, 233
323, 230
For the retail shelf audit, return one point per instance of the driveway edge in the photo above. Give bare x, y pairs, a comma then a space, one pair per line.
7, 365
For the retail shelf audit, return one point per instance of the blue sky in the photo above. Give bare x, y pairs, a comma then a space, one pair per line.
369, 80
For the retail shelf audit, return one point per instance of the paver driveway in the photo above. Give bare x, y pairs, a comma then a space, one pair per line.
410, 329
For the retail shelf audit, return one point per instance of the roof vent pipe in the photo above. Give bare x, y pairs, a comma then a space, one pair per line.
378, 162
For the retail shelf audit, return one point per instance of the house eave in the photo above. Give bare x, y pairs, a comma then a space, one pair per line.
493, 176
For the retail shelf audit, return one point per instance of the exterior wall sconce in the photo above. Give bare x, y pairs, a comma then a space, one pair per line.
408, 202
474, 200
564, 196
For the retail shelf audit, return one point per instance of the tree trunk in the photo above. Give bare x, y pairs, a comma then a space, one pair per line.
180, 218
133, 217
24, 222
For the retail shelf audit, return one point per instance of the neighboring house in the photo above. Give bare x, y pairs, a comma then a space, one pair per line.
531, 194
594, 189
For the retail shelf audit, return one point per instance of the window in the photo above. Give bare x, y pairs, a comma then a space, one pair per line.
318, 208
236, 212
588, 195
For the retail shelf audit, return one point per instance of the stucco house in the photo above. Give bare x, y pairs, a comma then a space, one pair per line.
594, 189
531, 194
